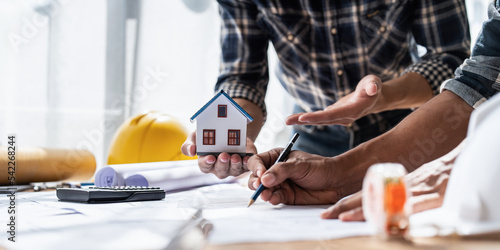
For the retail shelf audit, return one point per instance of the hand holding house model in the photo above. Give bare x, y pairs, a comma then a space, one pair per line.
221, 126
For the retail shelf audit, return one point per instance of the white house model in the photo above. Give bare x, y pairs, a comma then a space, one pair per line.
221, 126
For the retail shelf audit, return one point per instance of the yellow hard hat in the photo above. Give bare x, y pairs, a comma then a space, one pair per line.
148, 137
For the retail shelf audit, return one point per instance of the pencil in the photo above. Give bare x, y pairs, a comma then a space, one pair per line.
281, 157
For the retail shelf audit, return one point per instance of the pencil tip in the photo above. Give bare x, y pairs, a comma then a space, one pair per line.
250, 202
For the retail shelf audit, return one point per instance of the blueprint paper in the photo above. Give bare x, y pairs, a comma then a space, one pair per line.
46, 223
225, 206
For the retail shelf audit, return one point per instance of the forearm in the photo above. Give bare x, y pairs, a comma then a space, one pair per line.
408, 91
256, 113
431, 131
244, 68
428, 133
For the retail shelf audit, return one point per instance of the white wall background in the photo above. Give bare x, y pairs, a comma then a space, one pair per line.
54, 68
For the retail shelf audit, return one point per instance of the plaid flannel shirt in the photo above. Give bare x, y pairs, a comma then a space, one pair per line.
326, 47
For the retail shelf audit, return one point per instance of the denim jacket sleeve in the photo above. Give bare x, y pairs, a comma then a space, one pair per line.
478, 78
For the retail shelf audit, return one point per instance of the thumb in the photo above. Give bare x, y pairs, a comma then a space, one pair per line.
371, 89
280, 172
188, 148
371, 84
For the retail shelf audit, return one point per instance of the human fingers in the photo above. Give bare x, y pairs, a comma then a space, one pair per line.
277, 195
259, 163
235, 165
206, 163
276, 175
371, 85
251, 149
221, 166
343, 205
371, 89
343, 122
280, 196
355, 214
426, 201
267, 194
245, 163
188, 148
321, 117
343, 114
299, 169
293, 119
253, 181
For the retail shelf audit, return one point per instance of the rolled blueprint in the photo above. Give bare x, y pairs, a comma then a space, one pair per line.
37, 164
168, 175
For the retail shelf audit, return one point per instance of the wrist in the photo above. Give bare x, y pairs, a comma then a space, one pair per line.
253, 128
382, 100
408, 91
350, 169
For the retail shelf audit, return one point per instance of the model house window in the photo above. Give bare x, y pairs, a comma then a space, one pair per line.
233, 137
222, 111
208, 137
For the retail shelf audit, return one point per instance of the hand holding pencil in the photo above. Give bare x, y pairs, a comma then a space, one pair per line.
301, 179
281, 157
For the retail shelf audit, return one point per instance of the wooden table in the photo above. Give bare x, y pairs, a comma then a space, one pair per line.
491, 241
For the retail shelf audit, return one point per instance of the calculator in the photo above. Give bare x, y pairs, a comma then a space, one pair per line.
110, 194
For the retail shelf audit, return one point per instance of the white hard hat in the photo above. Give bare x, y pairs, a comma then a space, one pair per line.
472, 203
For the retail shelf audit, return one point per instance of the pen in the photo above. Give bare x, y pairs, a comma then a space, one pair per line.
282, 157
